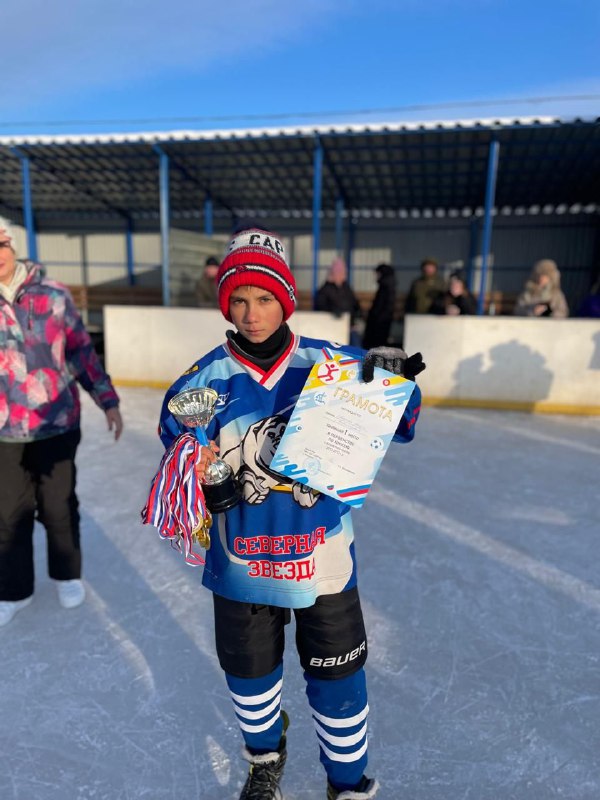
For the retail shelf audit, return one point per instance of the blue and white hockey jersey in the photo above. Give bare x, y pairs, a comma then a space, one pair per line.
284, 544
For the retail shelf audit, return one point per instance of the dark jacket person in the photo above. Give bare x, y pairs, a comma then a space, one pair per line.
336, 294
424, 290
381, 313
457, 299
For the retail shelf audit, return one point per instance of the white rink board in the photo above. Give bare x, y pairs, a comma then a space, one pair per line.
508, 359
150, 345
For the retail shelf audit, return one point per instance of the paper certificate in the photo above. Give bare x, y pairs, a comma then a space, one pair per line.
340, 428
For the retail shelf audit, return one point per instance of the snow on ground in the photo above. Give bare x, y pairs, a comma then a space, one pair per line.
478, 555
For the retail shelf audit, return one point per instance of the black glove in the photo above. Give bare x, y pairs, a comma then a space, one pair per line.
394, 360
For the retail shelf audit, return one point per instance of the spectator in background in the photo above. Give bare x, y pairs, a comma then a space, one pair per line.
381, 313
206, 287
542, 296
424, 290
457, 299
44, 351
337, 297
590, 306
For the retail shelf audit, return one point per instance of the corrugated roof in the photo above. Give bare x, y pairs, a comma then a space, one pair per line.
394, 168
286, 131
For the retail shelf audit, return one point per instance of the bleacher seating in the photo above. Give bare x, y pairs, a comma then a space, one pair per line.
94, 298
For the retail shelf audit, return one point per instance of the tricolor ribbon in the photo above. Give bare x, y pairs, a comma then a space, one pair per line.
176, 505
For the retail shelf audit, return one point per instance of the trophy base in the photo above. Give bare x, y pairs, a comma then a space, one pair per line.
221, 496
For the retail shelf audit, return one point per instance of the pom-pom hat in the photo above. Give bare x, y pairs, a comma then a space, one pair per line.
256, 257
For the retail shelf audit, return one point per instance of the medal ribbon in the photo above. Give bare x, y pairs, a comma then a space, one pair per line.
176, 505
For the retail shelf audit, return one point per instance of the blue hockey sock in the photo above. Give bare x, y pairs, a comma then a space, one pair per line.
257, 704
339, 709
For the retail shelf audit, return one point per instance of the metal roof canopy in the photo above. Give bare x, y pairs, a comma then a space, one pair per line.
435, 168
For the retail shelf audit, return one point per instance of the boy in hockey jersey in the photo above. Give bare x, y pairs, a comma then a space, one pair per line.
284, 547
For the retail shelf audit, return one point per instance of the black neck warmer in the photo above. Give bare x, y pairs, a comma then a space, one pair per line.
262, 354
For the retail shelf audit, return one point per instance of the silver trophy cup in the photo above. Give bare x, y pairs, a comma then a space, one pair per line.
195, 408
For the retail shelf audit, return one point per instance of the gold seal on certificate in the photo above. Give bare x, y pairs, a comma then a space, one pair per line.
340, 428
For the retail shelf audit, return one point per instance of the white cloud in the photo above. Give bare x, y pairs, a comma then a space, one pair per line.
51, 51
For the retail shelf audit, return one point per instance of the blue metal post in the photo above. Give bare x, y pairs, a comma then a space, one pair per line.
317, 186
28, 210
473, 242
208, 215
32, 252
129, 252
339, 225
163, 183
352, 223
490, 194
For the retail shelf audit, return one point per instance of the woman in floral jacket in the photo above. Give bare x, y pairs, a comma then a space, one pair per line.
45, 351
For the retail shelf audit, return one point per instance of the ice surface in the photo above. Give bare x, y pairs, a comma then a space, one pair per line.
478, 554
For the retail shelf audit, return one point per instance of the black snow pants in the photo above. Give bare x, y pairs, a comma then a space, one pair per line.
38, 476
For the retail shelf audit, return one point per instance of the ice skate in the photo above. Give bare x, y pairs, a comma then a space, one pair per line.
365, 789
266, 771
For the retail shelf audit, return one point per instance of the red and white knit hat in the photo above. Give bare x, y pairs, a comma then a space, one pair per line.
256, 257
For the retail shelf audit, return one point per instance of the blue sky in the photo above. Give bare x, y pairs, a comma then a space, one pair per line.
241, 63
